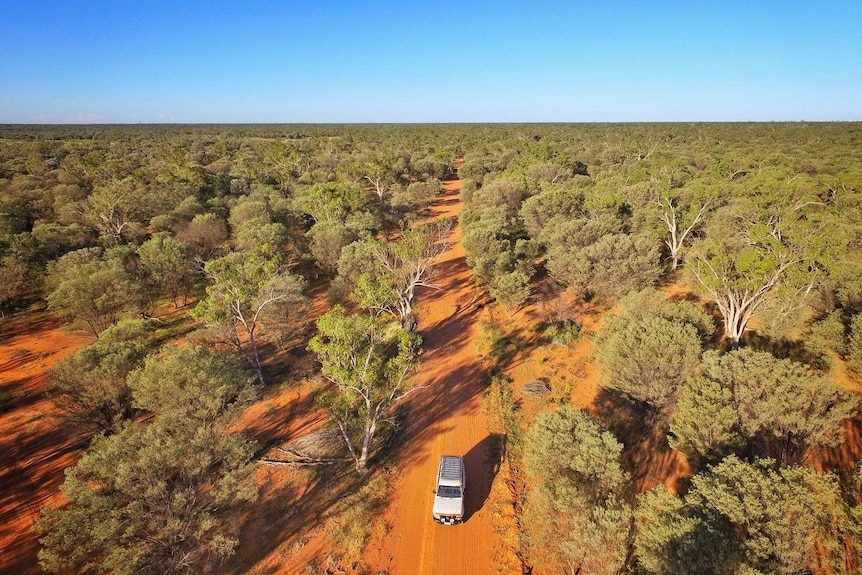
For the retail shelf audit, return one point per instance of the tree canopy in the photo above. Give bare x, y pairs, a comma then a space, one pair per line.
576, 511
90, 386
161, 496
751, 402
91, 287
104, 223
724, 526
648, 357
245, 287
370, 362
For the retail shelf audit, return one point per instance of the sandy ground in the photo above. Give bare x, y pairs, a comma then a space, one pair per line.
445, 418
285, 531
35, 447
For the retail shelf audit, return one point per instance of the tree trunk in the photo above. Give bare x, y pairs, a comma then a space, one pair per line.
735, 320
673, 244
407, 321
255, 356
674, 257
367, 440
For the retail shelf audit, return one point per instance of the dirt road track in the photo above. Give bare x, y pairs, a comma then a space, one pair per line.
445, 417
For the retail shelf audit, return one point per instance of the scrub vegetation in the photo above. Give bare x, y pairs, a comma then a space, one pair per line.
725, 262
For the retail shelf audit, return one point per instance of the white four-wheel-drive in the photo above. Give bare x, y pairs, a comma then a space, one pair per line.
449, 494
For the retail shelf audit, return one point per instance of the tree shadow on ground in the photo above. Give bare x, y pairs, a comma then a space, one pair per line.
277, 516
846, 456
783, 348
646, 455
25, 323
30, 477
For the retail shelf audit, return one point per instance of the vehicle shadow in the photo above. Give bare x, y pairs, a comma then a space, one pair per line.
481, 465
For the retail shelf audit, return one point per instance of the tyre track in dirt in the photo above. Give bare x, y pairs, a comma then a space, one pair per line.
444, 417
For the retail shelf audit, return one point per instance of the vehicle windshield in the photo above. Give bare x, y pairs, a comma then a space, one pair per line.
447, 491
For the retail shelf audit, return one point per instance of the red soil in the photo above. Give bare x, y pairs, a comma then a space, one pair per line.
35, 446
285, 530
287, 526
282, 531
445, 417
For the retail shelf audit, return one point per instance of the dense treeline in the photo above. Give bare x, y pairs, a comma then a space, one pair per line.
764, 217
762, 222
108, 224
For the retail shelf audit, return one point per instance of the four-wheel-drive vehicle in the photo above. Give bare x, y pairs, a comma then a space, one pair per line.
449, 494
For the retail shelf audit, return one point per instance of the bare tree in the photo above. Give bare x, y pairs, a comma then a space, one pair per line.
398, 268
674, 218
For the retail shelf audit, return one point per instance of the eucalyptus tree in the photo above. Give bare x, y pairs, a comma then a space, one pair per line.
261, 234
244, 288
382, 170
168, 267
680, 221
89, 286
588, 249
247, 209
331, 202
54, 240
112, 209
392, 271
670, 539
193, 384
512, 290
370, 361
407, 202
542, 212
437, 165
763, 245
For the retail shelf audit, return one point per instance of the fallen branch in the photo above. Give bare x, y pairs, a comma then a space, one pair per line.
302, 459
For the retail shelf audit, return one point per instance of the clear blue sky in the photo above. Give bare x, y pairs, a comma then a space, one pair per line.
136, 61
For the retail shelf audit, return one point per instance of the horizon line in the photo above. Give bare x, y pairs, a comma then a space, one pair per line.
418, 123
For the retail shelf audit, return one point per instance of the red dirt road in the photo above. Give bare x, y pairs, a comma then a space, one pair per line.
445, 417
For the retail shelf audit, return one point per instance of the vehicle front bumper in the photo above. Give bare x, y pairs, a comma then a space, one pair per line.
448, 519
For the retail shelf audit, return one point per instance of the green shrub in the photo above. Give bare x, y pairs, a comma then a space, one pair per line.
512, 290
355, 517
503, 413
563, 333
828, 334
854, 346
